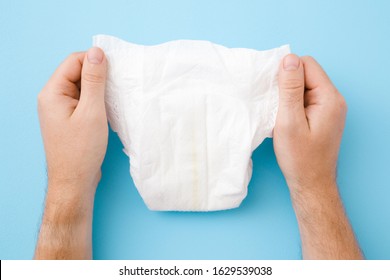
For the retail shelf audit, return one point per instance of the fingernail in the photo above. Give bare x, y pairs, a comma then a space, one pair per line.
291, 62
95, 55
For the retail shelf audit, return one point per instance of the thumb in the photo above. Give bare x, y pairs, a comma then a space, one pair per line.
93, 80
291, 110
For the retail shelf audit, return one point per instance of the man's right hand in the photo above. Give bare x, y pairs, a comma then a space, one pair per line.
309, 124
307, 137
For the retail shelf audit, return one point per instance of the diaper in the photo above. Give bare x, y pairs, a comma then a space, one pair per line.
189, 115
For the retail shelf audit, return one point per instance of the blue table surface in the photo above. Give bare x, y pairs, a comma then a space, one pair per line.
351, 39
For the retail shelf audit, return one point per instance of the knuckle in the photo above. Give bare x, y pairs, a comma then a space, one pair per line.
292, 84
291, 99
338, 105
93, 78
66, 88
342, 103
41, 99
74, 55
308, 58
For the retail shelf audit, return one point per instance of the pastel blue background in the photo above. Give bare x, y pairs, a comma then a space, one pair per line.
351, 39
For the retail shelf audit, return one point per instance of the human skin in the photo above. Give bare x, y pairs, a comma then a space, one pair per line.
75, 134
307, 136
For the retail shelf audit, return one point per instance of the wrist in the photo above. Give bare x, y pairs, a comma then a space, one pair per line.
315, 186
84, 182
68, 203
315, 199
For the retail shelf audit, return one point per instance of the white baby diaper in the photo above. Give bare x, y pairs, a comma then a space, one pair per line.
189, 115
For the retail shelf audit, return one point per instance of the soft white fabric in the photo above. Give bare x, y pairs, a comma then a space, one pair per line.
189, 115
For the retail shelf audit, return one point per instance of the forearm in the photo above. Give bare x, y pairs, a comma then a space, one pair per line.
66, 230
325, 230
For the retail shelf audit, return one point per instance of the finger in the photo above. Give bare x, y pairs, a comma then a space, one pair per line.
70, 68
93, 81
315, 76
291, 111
319, 88
67, 75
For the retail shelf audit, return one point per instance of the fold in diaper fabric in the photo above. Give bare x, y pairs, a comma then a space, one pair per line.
189, 115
